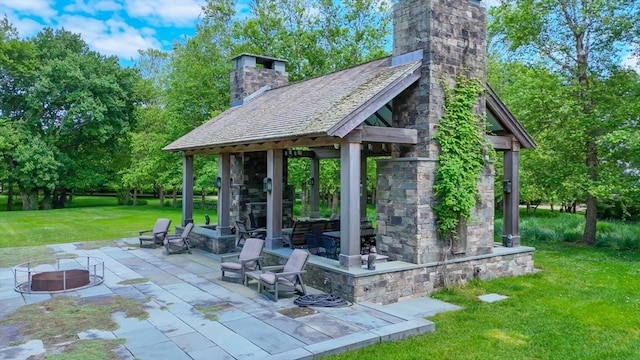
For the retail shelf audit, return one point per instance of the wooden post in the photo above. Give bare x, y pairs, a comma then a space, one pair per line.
224, 193
314, 200
511, 189
274, 198
350, 205
363, 188
187, 189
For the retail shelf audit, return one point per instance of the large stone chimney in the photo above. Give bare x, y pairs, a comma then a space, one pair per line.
452, 36
253, 73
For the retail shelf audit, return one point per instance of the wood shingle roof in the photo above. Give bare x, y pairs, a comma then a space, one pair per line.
310, 108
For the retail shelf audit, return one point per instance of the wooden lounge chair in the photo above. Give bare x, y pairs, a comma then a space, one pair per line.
285, 278
248, 260
179, 243
243, 233
158, 233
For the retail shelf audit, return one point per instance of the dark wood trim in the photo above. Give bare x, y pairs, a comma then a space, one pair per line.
359, 115
389, 135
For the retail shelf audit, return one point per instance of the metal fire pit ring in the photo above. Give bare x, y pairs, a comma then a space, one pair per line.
57, 275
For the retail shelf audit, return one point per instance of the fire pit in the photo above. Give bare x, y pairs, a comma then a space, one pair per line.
58, 275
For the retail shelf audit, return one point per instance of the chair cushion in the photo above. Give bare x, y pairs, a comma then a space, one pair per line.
231, 265
147, 237
268, 277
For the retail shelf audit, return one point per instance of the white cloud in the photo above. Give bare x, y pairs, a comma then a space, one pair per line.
40, 8
168, 12
93, 6
631, 61
490, 3
111, 37
26, 27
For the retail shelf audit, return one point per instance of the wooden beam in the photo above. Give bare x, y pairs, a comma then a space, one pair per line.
327, 153
264, 146
389, 135
500, 142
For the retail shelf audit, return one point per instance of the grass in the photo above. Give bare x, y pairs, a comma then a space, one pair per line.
88, 218
57, 322
584, 304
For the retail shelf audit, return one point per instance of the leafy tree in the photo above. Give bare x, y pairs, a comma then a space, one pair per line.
581, 42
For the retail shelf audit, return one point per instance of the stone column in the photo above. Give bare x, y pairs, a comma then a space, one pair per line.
274, 199
224, 194
350, 205
314, 198
187, 189
511, 189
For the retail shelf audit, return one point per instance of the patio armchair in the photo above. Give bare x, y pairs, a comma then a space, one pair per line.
243, 233
158, 233
249, 259
179, 243
285, 278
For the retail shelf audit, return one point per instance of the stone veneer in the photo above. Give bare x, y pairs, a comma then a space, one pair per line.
396, 281
247, 80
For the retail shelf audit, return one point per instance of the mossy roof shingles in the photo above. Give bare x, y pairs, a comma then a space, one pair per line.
305, 109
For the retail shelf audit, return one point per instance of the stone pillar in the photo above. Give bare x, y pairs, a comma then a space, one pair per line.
406, 223
274, 199
350, 205
452, 35
247, 77
187, 189
224, 194
511, 189
314, 198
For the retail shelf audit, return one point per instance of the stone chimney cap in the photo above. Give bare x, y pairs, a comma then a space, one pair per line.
258, 57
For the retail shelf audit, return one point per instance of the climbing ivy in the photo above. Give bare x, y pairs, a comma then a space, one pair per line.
460, 135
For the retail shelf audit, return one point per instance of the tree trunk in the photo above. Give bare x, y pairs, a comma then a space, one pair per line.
589, 236
59, 198
46, 202
303, 200
174, 200
334, 205
203, 199
10, 197
29, 199
161, 195
135, 197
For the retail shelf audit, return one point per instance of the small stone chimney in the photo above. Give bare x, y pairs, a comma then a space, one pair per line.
251, 76
253, 73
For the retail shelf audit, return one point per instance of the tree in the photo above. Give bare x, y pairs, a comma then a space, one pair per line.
75, 102
580, 41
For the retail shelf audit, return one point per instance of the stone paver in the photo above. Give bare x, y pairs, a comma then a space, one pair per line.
246, 323
493, 297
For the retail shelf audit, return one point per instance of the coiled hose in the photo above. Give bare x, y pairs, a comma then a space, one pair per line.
323, 300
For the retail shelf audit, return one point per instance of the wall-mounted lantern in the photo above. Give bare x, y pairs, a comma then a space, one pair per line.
267, 184
218, 182
506, 186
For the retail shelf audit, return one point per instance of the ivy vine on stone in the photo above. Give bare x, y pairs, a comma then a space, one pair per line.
461, 160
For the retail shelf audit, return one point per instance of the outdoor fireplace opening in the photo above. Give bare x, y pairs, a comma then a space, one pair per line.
58, 274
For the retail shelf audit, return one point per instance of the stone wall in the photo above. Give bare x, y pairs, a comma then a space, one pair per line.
396, 282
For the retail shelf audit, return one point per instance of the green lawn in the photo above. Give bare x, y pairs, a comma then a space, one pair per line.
87, 218
584, 304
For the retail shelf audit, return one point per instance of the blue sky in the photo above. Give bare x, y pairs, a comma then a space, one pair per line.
111, 27
122, 27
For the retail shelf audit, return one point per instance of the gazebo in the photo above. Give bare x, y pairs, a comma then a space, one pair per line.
389, 106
